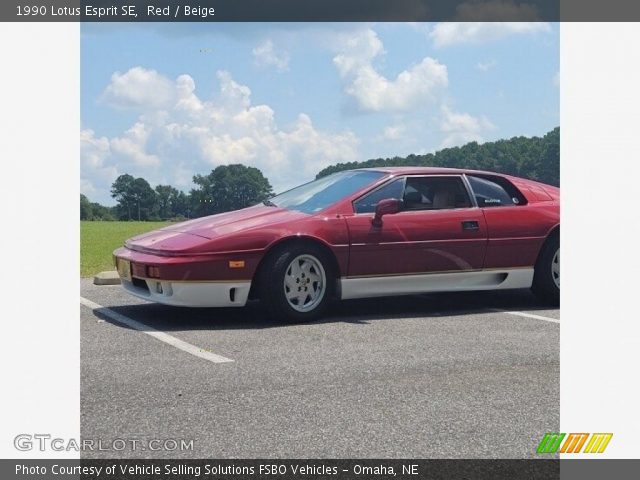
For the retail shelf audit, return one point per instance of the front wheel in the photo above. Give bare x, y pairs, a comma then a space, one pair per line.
546, 279
297, 283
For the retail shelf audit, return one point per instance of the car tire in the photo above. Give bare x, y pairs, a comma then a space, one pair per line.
546, 279
297, 283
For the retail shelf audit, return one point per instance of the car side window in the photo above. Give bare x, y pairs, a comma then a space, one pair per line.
489, 193
435, 193
367, 204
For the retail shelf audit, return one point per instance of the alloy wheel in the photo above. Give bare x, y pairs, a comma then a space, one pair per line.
555, 268
304, 283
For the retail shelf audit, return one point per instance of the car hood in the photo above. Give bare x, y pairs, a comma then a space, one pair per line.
230, 222
189, 235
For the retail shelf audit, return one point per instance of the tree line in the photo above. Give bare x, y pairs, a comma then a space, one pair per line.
227, 187
537, 158
230, 187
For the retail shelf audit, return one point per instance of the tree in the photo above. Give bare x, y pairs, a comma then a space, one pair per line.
228, 187
144, 199
100, 212
135, 197
85, 208
535, 157
122, 192
167, 199
550, 158
93, 210
182, 205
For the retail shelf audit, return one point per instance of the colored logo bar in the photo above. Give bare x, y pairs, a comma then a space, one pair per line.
573, 443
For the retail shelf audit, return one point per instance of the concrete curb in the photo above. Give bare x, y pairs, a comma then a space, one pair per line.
107, 278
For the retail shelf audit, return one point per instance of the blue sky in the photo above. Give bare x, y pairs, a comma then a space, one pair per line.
167, 101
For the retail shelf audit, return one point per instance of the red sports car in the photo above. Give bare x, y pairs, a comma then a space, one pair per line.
354, 234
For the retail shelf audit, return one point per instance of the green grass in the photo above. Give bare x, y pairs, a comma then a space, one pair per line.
98, 240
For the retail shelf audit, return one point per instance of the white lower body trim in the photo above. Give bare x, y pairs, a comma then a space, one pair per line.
364, 287
192, 294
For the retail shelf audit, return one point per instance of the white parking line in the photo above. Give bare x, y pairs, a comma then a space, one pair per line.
157, 334
527, 315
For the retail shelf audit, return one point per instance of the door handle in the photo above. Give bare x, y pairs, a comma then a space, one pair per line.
470, 225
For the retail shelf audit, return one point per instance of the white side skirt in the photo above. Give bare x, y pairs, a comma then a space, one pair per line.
364, 287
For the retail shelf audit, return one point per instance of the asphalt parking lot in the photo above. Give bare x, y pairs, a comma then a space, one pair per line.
429, 376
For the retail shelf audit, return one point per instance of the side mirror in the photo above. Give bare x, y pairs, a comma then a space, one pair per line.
388, 206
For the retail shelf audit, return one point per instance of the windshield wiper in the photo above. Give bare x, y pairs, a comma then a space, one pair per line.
269, 203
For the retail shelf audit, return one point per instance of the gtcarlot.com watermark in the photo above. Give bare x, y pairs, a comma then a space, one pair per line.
44, 442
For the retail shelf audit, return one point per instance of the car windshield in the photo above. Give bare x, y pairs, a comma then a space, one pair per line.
315, 196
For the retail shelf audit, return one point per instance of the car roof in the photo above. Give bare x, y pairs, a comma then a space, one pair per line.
428, 171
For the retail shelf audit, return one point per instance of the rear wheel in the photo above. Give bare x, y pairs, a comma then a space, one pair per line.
546, 279
297, 283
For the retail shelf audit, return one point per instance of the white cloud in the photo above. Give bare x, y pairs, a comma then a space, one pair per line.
87, 188
171, 141
265, 55
447, 34
234, 96
308, 150
94, 150
486, 66
461, 128
411, 89
132, 145
556, 79
186, 98
139, 88
97, 173
394, 132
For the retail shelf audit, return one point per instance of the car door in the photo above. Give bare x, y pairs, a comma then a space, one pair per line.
516, 230
439, 229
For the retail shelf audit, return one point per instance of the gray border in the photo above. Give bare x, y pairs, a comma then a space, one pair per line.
315, 10
340, 10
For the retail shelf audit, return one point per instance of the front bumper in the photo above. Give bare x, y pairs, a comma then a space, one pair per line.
198, 281
189, 294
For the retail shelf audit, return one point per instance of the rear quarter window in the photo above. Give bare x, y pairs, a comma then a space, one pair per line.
495, 191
